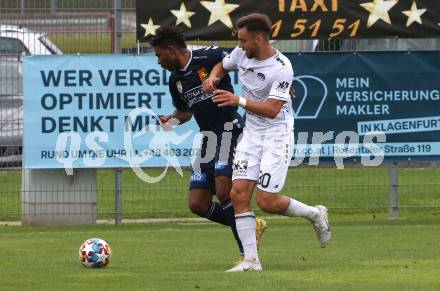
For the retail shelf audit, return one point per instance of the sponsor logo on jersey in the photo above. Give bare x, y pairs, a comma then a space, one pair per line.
179, 86
280, 61
283, 87
220, 165
240, 168
261, 76
203, 74
195, 95
199, 178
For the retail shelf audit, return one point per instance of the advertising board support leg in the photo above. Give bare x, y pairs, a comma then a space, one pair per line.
394, 193
115, 27
51, 197
118, 196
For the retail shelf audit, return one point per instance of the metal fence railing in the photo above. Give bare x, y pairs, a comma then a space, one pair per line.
108, 26
354, 189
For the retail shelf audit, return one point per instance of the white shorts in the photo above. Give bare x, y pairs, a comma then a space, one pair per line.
264, 159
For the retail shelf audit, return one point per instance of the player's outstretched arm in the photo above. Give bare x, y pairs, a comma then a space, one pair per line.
217, 73
180, 115
270, 108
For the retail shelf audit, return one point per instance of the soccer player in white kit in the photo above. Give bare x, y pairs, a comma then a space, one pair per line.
263, 154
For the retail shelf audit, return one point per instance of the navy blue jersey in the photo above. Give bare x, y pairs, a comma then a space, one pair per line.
188, 95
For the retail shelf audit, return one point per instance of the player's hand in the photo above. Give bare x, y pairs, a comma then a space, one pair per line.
210, 84
225, 98
167, 123
164, 119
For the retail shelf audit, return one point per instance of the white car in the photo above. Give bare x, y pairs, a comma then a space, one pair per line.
16, 39
11, 108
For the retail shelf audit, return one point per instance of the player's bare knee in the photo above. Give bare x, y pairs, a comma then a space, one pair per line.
235, 191
233, 195
198, 207
237, 195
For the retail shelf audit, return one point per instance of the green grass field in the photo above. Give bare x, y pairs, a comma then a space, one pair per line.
101, 42
348, 190
90, 43
368, 252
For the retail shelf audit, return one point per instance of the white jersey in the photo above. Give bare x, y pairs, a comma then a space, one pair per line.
270, 78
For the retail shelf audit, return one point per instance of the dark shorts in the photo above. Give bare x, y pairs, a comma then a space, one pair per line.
203, 176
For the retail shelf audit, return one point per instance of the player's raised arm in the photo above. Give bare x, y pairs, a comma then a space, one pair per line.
269, 108
278, 95
217, 73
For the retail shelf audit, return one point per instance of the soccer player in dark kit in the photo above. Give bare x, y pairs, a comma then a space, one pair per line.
188, 71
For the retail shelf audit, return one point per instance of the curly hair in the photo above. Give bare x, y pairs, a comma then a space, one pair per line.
168, 36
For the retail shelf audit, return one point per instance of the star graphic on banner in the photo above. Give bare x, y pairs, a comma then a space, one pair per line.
150, 28
183, 15
414, 14
220, 11
378, 10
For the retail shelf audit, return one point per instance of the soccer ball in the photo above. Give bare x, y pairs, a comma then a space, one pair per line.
95, 253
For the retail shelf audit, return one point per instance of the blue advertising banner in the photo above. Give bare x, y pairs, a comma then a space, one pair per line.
101, 111
343, 97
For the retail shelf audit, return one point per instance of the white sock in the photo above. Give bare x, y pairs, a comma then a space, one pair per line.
246, 227
300, 209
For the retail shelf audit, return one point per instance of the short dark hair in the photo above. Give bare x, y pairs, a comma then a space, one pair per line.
255, 22
168, 36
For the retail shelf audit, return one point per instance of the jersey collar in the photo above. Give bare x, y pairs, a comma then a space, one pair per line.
189, 61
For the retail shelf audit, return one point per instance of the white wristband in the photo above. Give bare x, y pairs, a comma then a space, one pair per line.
242, 102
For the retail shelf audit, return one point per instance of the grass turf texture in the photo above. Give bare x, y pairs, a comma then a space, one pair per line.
366, 253
348, 190
101, 42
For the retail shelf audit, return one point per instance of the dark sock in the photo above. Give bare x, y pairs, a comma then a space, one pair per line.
229, 213
217, 214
